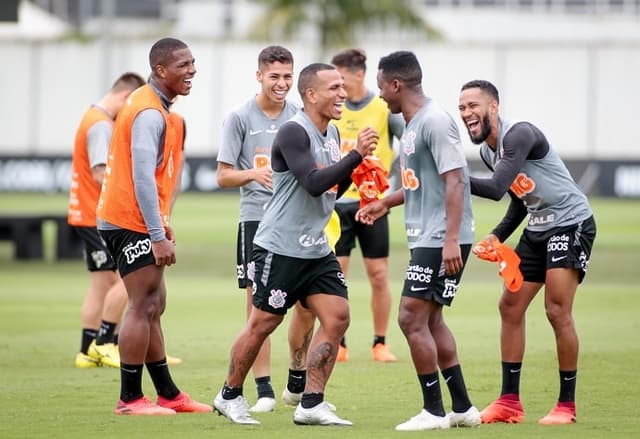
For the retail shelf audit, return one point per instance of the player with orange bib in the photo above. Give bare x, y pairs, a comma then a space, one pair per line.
142, 176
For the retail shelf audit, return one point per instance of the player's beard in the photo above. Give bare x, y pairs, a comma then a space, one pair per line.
486, 130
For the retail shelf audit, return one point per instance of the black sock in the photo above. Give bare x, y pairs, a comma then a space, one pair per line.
296, 381
568, 385
455, 382
431, 394
311, 399
511, 378
115, 339
343, 342
159, 372
88, 335
231, 392
105, 333
378, 339
130, 382
264, 387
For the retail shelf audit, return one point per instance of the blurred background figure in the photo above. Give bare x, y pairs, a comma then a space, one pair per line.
105, 301
364, 108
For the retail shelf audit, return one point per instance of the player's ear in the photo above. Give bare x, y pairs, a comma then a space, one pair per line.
160, 71
258, 75
493, 107
311, 95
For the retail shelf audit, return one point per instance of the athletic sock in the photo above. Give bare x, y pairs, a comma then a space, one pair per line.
378, 339
159, 372
88, 335
263, 385
511, 378
105, 333
311, 399
115, 339
455, 382
568, 385
296, 381
343, 342
229, 392
130, 382
431, 394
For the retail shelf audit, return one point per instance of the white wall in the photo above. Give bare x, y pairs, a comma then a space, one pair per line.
583, 95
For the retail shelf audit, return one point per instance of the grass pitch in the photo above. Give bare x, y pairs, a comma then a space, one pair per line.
43, 395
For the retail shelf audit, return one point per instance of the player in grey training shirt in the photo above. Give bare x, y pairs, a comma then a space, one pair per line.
244, 160
293, 261
439, 226
554, 248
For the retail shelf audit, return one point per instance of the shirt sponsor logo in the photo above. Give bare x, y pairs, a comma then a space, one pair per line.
254, 132
137, 249
277, 299
522, 185
310, 241
542, 219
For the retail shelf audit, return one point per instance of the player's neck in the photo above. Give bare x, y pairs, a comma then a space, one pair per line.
271, 108
107, 106
360, 95
412, 104
321, 122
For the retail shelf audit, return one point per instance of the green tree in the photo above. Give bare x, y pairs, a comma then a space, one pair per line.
337, 21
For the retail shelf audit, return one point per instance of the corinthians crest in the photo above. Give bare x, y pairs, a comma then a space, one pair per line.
277, 299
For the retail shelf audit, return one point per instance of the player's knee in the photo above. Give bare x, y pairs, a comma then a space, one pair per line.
510, 311
378, 280
407, 322
558, 316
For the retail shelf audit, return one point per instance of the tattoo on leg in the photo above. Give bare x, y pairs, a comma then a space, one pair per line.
321, 357
300, 354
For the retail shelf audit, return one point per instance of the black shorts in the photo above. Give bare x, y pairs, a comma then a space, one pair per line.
131, 250
373, 239
95, 251
280, 281
425, 278
561, 247
244, 247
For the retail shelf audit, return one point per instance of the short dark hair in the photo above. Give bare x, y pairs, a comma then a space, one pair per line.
403, 66
271, 54
128, 81
485, 86
352, 59
162, 51
309, 75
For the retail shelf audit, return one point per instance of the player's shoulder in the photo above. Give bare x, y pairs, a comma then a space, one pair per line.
434, 115
242, 111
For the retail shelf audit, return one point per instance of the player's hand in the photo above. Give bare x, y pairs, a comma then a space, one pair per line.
485, 244
262, 175
367, 141
371, 212
164, 252
170, 234
452, 257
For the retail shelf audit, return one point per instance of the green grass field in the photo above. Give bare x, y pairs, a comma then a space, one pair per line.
43, 395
